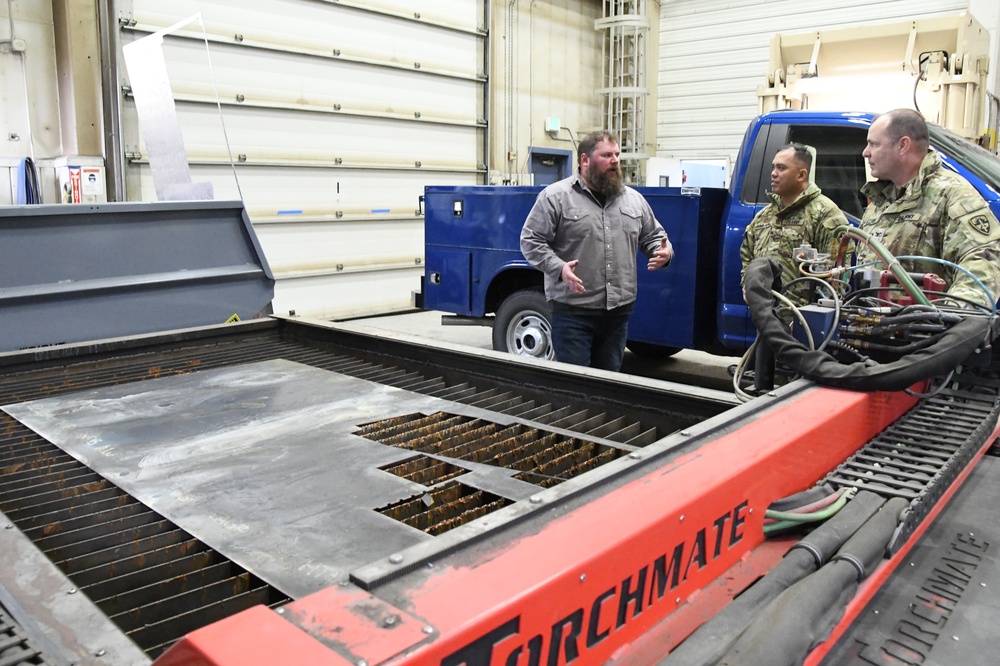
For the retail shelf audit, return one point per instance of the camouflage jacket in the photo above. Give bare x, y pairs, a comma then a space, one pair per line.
775, 232
937, 214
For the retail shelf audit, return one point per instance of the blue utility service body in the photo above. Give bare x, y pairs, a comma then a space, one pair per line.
473, 259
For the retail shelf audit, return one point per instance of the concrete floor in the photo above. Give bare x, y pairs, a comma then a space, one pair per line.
687, 367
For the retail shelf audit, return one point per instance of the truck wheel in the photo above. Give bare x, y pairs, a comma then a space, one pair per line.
522, 325
651, 351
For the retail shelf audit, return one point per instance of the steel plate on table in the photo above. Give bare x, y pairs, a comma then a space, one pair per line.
260, 461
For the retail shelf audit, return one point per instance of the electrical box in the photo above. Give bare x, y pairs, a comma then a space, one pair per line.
820, 321
81, 179
552, 124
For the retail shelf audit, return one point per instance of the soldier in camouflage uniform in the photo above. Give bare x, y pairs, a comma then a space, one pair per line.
798, 213
920, 208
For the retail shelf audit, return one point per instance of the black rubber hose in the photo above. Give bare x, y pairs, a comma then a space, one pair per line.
802, 616
710, 641
828, 539
866, 548
951, 349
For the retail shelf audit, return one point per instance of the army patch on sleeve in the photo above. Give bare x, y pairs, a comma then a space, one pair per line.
981, 223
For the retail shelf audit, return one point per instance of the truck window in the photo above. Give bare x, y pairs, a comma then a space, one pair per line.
840, 168
979, 161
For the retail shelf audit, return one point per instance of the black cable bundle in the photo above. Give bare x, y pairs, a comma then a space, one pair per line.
27, 183
949, 348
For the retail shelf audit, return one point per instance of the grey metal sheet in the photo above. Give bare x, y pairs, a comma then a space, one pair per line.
258, 461
74, 273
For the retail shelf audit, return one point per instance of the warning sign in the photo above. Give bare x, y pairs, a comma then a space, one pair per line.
75, 194
92, 181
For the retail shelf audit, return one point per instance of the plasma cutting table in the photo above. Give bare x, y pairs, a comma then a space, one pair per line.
287, 491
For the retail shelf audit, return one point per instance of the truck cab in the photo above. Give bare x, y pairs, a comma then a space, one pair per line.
475, 270
840, 170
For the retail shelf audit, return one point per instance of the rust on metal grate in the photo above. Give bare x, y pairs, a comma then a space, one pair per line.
544, 458
444, 508
424, 470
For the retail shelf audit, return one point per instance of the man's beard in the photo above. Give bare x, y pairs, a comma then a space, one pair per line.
605, 183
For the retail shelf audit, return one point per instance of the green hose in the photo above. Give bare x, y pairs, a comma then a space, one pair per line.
890, 261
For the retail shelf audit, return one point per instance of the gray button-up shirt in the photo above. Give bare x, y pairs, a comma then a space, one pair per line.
568, 223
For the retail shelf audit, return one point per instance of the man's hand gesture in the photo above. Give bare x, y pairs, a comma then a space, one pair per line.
574, 283
662, 256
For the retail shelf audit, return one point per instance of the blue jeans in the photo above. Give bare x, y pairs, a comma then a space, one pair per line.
596, 341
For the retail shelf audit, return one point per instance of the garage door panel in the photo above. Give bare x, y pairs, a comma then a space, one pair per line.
325, 27
300, 246
272, 192
265, 77
347, 294
337, 115
324, 138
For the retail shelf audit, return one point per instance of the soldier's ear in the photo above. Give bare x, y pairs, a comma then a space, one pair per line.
904, 144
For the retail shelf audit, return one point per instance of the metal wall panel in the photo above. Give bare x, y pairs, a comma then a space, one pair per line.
714, 54
546, 63
29, 98
336, 115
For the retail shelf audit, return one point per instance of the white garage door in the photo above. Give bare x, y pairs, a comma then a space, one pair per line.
336, 114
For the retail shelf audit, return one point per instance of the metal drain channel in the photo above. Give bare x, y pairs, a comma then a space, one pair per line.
920, 455
151, 578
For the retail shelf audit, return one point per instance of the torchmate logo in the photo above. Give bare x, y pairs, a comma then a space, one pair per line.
583, 628
915, 634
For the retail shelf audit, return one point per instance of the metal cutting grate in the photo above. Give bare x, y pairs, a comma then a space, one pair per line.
543, 458
538, 453
154, 580
444, 508
16, 648
424, 470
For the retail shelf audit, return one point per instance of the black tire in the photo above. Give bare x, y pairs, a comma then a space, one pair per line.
522, 325
650, 351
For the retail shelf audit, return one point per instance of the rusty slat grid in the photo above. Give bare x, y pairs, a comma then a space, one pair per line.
16, 649
424, 470
543, 457
155, 581
444, 508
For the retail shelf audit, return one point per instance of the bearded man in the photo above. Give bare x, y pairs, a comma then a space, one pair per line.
583, 234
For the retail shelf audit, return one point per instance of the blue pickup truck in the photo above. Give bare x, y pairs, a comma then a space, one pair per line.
475, 270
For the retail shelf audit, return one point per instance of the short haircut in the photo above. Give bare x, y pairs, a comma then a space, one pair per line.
802, 155
589, 143
907, 122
